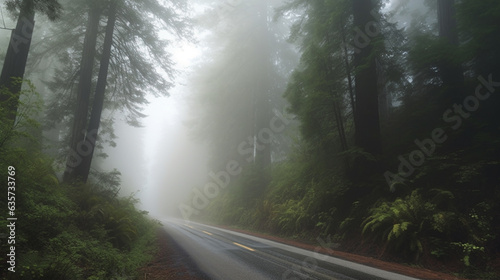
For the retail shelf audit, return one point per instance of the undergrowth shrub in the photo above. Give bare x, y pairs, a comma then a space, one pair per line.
401, 224
67, 232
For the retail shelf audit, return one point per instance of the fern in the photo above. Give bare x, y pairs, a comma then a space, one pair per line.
401, 223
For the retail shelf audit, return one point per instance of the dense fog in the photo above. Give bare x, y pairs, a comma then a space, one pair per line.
227, 54
371, 122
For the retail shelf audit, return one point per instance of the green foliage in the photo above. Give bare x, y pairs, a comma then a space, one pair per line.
467, 250
421, 224
447, 208
30, 106
401, 223
68, 232
316, 90
50, 8
290, 216
477, 20
294, 200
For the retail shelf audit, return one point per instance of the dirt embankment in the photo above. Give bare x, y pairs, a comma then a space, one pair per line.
170, 262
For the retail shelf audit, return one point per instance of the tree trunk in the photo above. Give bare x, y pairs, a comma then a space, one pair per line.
262, 110
337, 110
83, 170
15, 60
77, 148
340, 126
385, 100
451, 73
367, 132
347, 68
447, 22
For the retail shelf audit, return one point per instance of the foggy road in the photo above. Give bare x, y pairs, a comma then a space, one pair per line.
224, 254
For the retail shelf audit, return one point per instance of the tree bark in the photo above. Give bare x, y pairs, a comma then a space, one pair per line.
262, 108
340, 126
16, 58
367, 131
451, 73
78, 149
347, 67
83, 170
447, 22
262, 111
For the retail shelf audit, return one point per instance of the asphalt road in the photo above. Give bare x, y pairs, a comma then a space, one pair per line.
224, 254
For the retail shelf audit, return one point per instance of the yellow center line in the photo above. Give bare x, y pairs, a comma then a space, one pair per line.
190, 226
243, 246
206, 232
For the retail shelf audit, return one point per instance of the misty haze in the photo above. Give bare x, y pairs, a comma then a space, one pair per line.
258, 139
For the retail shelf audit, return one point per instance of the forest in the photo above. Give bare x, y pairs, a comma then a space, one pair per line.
378, 136
68, 66
372, 124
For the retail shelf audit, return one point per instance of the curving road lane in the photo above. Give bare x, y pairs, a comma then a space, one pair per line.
224, 254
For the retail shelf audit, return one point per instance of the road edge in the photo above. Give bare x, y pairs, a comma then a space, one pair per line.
421, 273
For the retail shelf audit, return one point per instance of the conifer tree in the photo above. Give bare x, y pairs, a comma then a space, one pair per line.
14, 65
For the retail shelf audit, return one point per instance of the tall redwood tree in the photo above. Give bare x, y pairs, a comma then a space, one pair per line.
83, 170
16, 57
451, 72
367, 132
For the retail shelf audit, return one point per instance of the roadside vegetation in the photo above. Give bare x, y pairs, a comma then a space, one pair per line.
86, 60
424, 188
79, 231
